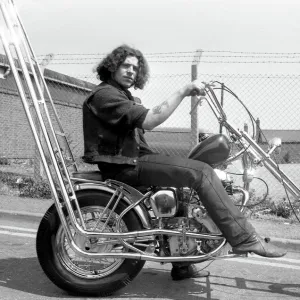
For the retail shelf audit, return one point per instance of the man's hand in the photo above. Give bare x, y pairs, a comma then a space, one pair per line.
161, 112
195, 88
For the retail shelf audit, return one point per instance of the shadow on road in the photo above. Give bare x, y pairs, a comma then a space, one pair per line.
26, 275
250, 285
157, 283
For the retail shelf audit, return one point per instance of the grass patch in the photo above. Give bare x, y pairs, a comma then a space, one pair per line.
24, 186
4, 161
17, 184
265, 206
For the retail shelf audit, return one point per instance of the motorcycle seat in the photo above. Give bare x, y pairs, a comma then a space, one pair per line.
97, 176
88, 175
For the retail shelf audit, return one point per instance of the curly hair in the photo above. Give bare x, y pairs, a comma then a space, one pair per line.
112, 62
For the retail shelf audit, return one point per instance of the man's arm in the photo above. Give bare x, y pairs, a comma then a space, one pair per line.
162, 112
114, 109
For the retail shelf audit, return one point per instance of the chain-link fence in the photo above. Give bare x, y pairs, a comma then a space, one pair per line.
273, 99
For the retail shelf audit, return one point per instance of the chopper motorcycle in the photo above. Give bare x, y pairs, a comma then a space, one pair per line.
97, 235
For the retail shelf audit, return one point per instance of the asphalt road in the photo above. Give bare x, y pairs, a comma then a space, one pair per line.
239, 278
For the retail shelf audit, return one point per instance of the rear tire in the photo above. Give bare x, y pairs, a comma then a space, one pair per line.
81, 275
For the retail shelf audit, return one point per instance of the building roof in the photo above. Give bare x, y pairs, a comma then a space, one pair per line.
286, 135
63, 88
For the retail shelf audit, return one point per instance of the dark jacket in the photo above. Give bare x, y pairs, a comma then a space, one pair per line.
112, 121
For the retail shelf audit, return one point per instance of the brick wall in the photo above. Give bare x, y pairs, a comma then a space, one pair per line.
68, 94
16, 138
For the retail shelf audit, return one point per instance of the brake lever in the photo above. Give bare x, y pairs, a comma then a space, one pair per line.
199, 102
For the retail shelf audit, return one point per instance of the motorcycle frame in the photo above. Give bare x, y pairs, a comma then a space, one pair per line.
34, 87
256, 154
64, 187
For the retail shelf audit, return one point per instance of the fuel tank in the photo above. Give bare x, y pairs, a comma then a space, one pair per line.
212, 150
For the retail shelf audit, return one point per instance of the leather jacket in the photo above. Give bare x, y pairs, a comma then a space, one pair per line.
110, 117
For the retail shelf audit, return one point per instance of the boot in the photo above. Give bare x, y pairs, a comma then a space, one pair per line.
190, 271
259, 246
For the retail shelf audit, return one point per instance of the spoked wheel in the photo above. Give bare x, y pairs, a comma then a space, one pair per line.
89, 268
77, 274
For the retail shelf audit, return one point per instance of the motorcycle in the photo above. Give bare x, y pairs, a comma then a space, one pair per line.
126, 226
97, 235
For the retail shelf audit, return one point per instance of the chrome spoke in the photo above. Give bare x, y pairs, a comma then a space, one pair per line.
91, 268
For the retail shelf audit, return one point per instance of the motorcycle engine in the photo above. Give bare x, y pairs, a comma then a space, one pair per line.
196, 221
164, 203
182, 245
175, 210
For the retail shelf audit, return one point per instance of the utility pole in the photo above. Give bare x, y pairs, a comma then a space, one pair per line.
222, 103
38, 166
194, 99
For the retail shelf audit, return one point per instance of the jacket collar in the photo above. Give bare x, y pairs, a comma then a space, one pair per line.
119, 87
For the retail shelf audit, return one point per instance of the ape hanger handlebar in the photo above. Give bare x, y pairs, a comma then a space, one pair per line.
251, 152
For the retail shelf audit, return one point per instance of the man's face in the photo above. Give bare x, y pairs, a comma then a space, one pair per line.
127, 72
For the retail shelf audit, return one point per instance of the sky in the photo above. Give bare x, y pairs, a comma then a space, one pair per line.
233, 35
163, 26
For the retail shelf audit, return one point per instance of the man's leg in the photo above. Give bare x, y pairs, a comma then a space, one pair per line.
159, 170
179, 172
185, 271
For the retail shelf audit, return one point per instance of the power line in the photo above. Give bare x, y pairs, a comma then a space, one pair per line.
78, 54
183, 52
226, 51
233, 56
189, 61
191, 56
230, 62
183, 57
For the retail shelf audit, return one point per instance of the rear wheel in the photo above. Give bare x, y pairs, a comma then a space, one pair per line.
77, 274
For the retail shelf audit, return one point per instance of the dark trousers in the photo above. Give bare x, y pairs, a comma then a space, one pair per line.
160, 170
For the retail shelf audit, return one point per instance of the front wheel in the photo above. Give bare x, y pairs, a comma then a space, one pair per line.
82, 275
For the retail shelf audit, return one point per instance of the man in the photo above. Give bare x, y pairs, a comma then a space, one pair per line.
113, 124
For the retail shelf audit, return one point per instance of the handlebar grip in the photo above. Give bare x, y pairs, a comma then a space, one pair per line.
202, 93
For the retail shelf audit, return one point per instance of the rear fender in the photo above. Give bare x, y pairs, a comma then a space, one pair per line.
131, 195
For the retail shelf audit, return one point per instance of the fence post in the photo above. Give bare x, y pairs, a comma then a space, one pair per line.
194, 113
38, 172
222, 103
258, 133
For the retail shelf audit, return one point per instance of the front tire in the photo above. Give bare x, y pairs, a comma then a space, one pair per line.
82, 275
